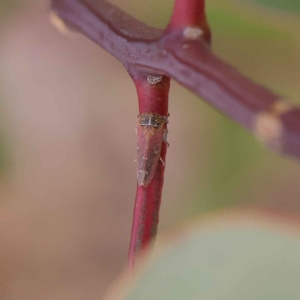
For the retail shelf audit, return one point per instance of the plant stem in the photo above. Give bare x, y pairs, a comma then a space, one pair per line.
152, 98
192, 64
189, 13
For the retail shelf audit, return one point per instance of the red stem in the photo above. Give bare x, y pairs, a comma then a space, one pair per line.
152, 98
190, 13
184, 56
191, 63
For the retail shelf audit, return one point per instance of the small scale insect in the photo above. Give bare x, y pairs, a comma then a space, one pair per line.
151, 133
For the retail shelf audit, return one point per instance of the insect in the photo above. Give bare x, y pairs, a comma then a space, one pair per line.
151, 133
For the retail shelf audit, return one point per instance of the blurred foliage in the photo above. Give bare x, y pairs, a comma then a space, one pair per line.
4, 144
289, 5
6, 7
4, 153
228, 261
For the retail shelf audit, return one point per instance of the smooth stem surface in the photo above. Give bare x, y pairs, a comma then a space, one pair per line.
191, 63
152, 98
182, 53
189, 13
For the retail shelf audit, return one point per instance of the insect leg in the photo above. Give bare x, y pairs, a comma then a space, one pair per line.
165, 136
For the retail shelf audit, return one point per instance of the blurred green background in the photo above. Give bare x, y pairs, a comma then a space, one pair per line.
67, 142
248, 257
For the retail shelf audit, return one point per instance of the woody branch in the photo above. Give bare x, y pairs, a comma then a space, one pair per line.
190, 62
152, 98
189, 14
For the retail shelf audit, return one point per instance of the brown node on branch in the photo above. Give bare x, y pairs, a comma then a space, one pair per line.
268, 125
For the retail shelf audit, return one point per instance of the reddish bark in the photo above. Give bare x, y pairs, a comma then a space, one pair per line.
181, 52
189, 13
189, 62
152, 98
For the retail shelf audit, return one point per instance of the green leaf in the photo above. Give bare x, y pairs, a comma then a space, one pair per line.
231, 260
289, 5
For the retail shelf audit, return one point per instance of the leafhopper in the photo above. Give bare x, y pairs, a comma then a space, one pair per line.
151, 133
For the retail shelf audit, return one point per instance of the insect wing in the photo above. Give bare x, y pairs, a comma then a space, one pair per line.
149, 145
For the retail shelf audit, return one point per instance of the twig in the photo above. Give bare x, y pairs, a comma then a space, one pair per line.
190, 14
182, 52
191, 63
152, 98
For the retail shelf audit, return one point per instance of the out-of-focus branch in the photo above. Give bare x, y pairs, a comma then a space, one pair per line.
187, 58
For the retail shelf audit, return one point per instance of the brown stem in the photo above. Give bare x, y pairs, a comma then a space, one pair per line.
192, 64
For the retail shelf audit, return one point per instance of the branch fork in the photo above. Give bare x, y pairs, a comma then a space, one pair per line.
181, 52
